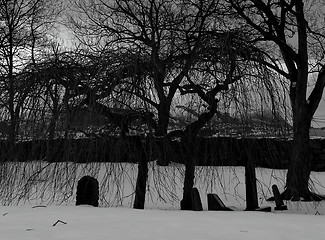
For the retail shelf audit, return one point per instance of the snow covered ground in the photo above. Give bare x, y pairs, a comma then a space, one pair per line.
85, 223
40, 208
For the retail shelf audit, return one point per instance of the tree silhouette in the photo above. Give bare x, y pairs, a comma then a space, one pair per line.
275, 24
24, 35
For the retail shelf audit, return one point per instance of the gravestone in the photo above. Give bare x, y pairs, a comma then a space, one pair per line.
87, 191
196, 200
279, 204
215, 203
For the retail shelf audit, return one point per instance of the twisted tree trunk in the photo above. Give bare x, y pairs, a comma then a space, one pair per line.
190, 143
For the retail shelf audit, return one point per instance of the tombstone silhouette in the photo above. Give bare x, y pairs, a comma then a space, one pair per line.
87, 191
196, 200
277, 198
215, 203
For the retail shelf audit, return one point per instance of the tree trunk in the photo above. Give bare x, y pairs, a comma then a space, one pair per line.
190, 142
186, 203
303, 110
163, 118
250, 176
52, 127
53, 122
55, 113
299, 169
140, 190
163, 146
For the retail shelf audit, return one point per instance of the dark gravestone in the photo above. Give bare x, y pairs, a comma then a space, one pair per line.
196, 200
87, 191
279, 204
215, 203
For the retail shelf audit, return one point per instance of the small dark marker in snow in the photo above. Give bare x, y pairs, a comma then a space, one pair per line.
317, 213
58, 221
38, 206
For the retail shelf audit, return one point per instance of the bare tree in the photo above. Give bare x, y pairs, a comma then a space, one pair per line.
294, 29
225, 66
167, 34
177, 47
24, 32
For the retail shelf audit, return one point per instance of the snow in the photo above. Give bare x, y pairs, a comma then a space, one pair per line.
125, 223
52, 218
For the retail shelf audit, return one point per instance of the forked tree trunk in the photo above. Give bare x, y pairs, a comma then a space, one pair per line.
297, 182
303, 110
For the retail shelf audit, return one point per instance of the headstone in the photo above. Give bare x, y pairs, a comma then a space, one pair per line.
196, 200
279, 204
87, 191
215, 203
